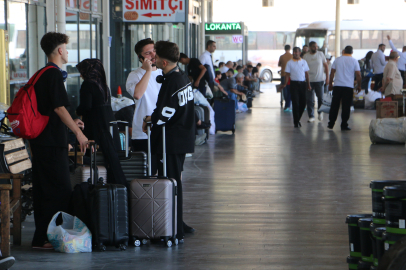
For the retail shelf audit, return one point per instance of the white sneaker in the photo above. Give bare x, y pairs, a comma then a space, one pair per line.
188, 155
321, 116
352, 108
311, 120
200, 139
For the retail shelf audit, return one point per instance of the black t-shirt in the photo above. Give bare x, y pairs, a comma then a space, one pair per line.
51, 94
175, 109
193, 70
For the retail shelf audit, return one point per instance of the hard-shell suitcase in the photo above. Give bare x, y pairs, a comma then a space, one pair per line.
204, 115
104, 207
134, 164
224, 114
153, 206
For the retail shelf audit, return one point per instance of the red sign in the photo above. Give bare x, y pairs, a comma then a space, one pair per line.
154, 11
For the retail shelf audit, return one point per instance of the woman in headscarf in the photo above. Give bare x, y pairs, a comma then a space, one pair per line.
96, 112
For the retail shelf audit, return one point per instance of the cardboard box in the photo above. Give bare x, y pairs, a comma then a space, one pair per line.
386, 109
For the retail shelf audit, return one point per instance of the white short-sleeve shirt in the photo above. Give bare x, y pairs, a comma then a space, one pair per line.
147, 103
297, 69
316, 68
345, 67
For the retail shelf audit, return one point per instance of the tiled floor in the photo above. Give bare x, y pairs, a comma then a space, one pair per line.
268, 197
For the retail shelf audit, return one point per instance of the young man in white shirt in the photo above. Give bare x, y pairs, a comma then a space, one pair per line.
206, 59
402, 59
297, 70
318, 74
342, 74
142, 85
378, 64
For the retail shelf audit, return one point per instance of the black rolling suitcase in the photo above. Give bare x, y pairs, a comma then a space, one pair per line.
134, 164
105, 209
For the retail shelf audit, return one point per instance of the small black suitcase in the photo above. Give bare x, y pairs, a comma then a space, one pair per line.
105, 209
134, 164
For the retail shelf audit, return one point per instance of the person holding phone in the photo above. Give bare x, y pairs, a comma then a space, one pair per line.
142, 86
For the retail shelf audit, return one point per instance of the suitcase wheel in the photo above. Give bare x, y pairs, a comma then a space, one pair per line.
144, 241
169, 243
137, 243
102, 248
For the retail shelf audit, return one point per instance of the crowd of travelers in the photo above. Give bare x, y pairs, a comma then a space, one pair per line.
307, 73
164, 95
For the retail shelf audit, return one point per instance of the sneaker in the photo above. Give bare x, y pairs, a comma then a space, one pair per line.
352, 108
286, 109
311, 120
188, 155
321, 116
7, 262
200, 139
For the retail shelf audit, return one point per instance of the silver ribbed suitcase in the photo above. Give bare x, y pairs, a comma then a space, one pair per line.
153, 205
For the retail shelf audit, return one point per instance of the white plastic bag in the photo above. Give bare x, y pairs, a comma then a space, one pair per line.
242, 106
370, 99
209, 93
119, 103
72, 236
388, 130
199, 99
326, 105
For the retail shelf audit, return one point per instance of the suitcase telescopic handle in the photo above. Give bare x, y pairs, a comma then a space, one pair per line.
163, 149
93, 165
126, 133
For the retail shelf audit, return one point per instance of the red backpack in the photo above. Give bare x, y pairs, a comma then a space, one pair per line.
25, 119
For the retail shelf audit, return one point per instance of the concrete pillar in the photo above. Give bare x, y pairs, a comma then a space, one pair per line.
338, 29
32, 40
60, 16
105, 39
50, 5
203, 16
165, 31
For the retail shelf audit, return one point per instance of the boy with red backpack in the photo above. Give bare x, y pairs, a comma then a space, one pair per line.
50, 164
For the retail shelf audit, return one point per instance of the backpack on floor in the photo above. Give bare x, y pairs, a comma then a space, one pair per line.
25, 119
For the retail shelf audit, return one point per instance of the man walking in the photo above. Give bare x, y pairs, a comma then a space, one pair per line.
50, 164
402, 59
207, 61
318, 68
343, 70
175, 110
297, 71
142, 86
378, 64
283, 60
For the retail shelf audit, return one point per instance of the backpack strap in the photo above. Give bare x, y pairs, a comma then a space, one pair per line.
38, 74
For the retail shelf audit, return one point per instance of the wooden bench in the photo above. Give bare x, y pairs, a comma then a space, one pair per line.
8, 208
17, 161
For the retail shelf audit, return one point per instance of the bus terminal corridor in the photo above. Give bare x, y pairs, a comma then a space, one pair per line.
269, 197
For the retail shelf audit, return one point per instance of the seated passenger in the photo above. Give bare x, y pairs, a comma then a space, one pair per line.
218, 91
239, 71
230, 86
249, 79
392, 79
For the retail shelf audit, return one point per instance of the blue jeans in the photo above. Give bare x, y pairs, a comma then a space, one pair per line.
317, 87
233, 96
286, 93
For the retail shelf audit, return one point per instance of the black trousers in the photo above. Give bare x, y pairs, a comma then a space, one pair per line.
402, 73
174, 164
342, 95
51, 187
298, 96
378, 81
142, 145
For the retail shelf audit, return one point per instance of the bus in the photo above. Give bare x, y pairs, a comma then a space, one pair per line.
264, 47
363, 36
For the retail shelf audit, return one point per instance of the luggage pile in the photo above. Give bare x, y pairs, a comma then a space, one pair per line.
374, 238
149, 204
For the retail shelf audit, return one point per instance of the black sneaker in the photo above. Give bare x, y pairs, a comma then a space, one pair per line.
345, 129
